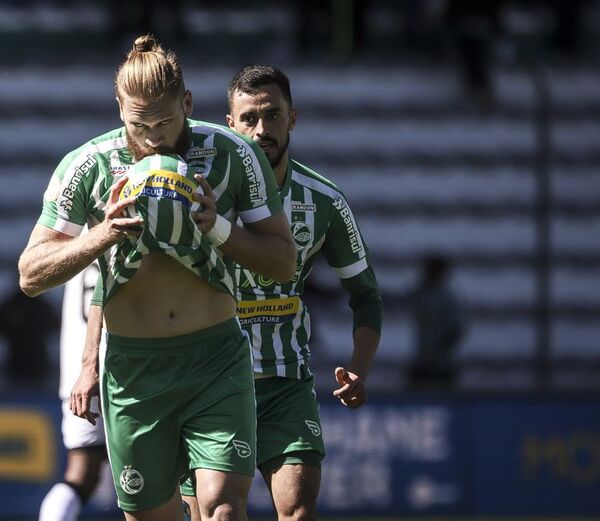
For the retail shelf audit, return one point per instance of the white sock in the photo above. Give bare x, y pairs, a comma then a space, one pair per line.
61, 503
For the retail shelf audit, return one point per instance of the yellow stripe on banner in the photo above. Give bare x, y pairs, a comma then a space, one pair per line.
272, 307
27, 446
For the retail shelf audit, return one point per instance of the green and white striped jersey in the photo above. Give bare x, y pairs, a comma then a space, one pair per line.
237, 170
274, 314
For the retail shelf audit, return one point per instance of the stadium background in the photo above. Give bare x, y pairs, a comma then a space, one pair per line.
462, 128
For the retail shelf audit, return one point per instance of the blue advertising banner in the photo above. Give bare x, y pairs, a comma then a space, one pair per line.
414, 455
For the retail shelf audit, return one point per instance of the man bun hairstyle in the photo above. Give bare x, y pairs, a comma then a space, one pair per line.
252, 77
149, 71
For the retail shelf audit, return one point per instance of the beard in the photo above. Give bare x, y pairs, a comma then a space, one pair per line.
279, 152
139, 152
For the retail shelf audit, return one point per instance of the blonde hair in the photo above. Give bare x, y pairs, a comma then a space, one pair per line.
149, 71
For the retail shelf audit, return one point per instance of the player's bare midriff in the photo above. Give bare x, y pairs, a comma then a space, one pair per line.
166, 299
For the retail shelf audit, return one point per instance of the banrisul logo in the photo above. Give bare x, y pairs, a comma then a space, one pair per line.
132, 482
346, 214
302, 234
242, 448
66, 201
314, 427
253, 182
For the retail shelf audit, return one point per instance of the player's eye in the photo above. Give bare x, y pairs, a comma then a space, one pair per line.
138, 125
166, 122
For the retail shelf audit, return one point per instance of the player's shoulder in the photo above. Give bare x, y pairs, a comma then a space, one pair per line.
97, 150
222, 135
309, 178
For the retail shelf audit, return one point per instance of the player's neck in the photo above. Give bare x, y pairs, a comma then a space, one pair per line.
281, 170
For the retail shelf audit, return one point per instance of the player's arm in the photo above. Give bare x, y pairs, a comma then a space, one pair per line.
86, 386
265, 246
52, 257
367, 307
345, 251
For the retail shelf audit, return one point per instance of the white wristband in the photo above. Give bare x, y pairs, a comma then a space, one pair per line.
220, 232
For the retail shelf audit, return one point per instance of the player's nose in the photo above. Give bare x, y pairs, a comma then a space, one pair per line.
154, 139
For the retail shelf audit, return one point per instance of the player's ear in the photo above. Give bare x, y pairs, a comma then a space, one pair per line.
120, 109
292, 120
188, 104
230, 121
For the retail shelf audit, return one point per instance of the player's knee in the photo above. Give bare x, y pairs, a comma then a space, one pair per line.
84, 484
222, 507
302, 512
223, 511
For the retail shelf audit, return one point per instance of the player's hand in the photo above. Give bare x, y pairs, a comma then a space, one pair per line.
206, 217
85, 388
351, 392
116, 223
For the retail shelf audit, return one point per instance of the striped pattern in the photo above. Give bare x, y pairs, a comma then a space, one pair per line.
273, 314
236, 169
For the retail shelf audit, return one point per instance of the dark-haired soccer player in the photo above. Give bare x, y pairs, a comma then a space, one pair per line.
289, 438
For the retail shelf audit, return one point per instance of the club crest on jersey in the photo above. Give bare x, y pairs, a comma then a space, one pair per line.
242, 448
132, 482
314, 427
302, 234
197, 152
298, 206
198, 167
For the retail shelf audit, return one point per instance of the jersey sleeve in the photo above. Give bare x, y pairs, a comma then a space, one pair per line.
345, 251
64, 206
259, 197
344, 248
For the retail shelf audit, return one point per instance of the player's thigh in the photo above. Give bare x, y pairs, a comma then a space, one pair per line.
84, 465
219, 431
192, 510
78, 432
287, 422
172, 511
142, 398
294, 489
222, 491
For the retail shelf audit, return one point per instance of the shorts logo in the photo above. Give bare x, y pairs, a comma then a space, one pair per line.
132, 482
302, 234
242, 448
314, 427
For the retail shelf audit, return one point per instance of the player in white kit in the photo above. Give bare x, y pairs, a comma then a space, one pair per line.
85, 443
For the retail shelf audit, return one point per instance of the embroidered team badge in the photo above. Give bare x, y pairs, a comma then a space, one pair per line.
314, 427
302, 234
242, 448
132, 482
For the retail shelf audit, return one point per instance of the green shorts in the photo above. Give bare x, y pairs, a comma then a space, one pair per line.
175, 404
288, 422
288, 427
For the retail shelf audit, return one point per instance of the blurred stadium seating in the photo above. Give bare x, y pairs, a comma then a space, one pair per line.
423, 169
